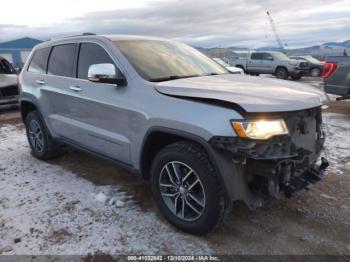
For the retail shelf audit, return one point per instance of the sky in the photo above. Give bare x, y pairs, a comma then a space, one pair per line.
205, 23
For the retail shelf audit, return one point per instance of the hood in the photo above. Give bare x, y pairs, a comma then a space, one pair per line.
253, 94
234, 69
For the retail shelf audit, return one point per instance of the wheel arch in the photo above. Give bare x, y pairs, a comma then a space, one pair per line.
165, 136
281, 66
27, 106
240, 66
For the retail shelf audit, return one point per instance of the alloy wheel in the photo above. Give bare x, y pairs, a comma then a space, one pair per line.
36, 136
182, 191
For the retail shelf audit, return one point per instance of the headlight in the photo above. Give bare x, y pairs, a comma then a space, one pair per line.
260, 129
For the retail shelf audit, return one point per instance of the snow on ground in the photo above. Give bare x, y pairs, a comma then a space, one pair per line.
337, 145
54, 211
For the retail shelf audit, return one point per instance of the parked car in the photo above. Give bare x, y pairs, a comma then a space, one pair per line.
8, 85
336, 75
315, 66
202, 136
232, 69
275, 63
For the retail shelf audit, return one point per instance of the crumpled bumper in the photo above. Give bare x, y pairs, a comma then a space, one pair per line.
282, 165
303, 182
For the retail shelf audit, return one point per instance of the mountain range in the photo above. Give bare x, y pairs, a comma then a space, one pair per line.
328, 48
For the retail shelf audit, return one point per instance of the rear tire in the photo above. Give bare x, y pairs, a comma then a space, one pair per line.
281, 73
40, 141
194, 207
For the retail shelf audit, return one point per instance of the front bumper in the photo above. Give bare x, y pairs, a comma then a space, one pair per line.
300, 71
280, 166
311, 176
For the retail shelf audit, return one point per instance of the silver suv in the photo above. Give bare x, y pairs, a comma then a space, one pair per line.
203, 137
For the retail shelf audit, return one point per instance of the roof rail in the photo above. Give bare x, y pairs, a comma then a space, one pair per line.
83, 34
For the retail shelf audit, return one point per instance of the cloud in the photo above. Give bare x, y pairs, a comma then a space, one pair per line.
211, 23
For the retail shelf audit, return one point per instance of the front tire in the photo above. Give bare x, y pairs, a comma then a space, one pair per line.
282, 73
186, 189
40, 141
296, 77
315, 72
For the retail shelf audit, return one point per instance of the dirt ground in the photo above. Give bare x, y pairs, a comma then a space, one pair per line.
53, 207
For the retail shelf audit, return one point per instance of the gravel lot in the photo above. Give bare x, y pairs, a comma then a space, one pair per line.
58, 207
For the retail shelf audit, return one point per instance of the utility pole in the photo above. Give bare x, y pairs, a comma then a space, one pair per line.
278, 39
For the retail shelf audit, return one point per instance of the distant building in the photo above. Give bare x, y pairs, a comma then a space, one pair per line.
17, 51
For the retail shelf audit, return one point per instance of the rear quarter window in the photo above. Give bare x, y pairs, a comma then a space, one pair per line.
38, 64
61, 61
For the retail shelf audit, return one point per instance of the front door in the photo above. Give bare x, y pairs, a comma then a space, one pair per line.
97, 110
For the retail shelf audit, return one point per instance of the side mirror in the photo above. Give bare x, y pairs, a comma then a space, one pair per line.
270, 58
106, 73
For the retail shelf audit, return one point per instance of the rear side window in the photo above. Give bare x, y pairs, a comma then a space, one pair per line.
257, 56
38, 64
91, 54
62, 60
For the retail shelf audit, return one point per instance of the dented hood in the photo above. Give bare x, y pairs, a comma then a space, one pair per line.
253, 94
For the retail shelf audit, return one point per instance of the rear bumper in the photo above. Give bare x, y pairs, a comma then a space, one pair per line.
337, 90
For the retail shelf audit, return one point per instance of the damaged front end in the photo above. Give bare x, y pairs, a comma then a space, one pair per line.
282, 165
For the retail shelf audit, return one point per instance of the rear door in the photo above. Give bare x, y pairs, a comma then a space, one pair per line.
94, 110
34, 78
255, 62
267, 63
55, 91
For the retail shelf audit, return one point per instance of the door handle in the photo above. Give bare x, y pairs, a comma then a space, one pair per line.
40, 82
75, 88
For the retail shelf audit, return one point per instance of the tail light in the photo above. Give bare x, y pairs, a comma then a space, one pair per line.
328, 69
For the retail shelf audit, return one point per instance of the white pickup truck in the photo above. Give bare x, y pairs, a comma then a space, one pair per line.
275, 63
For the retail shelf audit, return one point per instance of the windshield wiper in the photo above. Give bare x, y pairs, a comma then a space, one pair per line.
168, 78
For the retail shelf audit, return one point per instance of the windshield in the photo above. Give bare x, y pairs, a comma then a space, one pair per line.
221, 62
312, 59
6, 67
156, 60
280, 56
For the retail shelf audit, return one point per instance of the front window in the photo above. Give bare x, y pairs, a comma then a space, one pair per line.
156, 60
